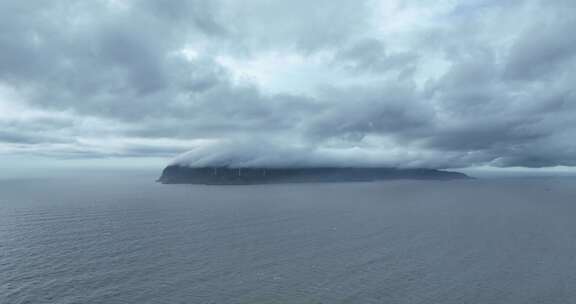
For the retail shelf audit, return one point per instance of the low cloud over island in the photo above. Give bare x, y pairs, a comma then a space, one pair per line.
259, 154
435, 84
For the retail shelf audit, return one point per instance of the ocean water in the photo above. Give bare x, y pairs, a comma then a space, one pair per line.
121, 238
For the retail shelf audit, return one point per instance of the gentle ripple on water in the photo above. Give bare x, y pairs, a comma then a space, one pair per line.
120, 240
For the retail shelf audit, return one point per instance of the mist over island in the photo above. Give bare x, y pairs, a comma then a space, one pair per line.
264, 163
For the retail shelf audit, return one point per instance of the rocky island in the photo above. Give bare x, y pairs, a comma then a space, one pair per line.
180, 174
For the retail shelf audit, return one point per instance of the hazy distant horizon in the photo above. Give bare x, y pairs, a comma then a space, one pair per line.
154, 170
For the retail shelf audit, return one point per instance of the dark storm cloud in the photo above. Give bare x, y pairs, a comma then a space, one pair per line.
438, 84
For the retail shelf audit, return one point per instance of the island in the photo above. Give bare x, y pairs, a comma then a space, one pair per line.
181, 174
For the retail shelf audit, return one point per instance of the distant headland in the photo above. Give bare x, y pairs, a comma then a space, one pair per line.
180, 174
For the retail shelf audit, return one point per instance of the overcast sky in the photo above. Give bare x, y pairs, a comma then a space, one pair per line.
433, 83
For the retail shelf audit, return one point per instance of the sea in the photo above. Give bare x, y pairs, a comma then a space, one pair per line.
120, 237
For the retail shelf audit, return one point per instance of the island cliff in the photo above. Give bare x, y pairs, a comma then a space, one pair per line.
177, 174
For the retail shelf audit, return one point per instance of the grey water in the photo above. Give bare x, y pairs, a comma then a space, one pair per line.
122, 238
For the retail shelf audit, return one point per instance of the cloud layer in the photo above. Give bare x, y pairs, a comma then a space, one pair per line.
438, 84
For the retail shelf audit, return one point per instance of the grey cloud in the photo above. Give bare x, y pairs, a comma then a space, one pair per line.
202, 13
38, 130
543, 49
454, 93
20, 137
356, 112
370, 55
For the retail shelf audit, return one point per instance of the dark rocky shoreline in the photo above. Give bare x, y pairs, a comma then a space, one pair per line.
176, 174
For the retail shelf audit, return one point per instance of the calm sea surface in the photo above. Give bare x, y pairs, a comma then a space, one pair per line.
124, 239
